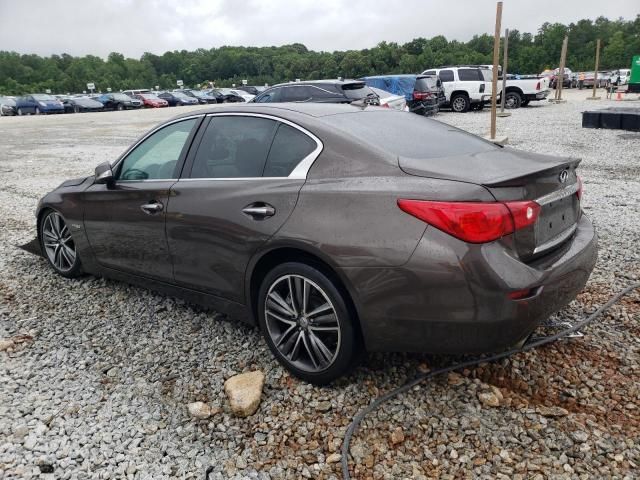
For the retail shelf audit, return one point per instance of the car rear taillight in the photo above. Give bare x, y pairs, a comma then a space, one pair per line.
579, 192
474, 222
422, 95
538, 86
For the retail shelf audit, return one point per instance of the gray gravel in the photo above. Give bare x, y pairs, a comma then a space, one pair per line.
100, 373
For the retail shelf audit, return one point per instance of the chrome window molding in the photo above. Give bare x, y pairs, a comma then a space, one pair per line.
300, 171
558, 194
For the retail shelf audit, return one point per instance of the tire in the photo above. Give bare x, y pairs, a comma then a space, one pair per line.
36, 111
20, 112
316, 341
460, 103
524, 103
58, 246
120, 107
512, 100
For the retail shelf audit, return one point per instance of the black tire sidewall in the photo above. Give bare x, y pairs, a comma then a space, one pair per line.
349, 343
76, 270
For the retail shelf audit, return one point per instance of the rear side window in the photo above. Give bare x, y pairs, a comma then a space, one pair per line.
289, 147
356, 91
234, 147
446, 76
469, 75
296, 93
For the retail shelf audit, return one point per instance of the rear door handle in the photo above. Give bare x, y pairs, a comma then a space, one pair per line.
259, 211
152, 208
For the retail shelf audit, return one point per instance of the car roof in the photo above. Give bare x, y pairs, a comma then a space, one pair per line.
306, 108
324, 82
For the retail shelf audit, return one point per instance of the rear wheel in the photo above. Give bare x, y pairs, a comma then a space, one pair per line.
58, 245
307, 324
460, 103
512, 100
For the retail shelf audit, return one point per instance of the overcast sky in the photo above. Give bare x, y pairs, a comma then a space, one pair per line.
132, 27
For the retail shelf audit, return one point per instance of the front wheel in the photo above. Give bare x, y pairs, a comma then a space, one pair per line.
58, 245
120, 107
460, 103
37, 111
307, 323
20, 112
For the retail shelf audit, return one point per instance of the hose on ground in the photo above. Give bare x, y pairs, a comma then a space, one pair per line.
355, 423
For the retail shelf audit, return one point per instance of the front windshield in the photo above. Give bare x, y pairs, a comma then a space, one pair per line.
42, 97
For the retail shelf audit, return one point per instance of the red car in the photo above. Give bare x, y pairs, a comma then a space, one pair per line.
152, 101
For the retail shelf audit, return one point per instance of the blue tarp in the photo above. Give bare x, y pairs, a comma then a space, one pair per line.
396, 84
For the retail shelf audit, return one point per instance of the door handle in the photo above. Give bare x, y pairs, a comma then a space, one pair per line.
259, 211
151, 208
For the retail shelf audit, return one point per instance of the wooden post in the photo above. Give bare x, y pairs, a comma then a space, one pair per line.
563, 59
505, 63
494, 81
595, 73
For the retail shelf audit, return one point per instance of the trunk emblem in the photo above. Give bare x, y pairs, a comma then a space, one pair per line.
564, 175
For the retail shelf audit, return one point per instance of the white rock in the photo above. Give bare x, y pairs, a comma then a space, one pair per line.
199, 410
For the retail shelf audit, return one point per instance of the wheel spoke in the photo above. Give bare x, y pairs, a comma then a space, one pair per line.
319, 348
310, 353
279, 318
292, 295
321, 309
305, 295
290, 342
278, 303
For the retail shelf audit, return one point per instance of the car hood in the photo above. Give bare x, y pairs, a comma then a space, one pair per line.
488, 167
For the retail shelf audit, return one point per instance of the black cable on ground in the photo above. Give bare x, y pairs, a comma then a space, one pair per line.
353, 426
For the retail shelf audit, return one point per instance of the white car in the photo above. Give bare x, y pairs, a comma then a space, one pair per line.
390, 100
241, 93
465, 88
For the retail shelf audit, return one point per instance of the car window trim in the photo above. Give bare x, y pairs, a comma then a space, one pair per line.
300, 171
183, 154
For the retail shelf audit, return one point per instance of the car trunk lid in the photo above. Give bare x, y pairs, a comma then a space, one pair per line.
512, 175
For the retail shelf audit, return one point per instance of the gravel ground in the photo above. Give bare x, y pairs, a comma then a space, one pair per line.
98, 381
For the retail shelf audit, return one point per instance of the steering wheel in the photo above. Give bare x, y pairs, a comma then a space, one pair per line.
134, 174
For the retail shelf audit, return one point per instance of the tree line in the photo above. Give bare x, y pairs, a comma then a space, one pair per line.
528, 54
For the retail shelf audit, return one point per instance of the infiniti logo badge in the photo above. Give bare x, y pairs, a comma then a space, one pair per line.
564, 175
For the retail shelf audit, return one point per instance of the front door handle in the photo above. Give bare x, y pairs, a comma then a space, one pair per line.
259, 211
152, 208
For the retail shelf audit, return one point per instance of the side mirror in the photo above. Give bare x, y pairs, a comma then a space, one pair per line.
104, 174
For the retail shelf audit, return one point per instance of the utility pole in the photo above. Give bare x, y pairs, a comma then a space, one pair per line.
595, 73
494, 81
563, 59
505, 63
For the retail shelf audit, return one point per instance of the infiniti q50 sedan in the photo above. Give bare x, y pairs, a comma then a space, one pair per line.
335, 228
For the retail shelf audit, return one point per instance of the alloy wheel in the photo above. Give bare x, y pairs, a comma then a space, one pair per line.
302, 323
57, 242
459, 104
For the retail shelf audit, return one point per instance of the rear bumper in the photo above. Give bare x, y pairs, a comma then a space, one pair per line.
452, 297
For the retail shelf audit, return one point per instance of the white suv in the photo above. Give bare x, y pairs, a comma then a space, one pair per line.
464, 87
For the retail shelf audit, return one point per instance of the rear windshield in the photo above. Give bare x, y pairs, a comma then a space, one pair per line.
356, 91
409, 136
425, 84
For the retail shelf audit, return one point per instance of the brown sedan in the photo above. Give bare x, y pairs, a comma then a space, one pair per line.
336, 228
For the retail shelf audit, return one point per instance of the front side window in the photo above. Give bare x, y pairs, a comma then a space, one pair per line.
289, 147
446, 76
157, 156
234, 147
270, 96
